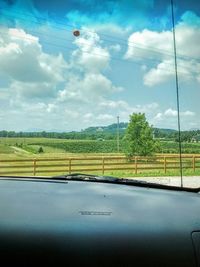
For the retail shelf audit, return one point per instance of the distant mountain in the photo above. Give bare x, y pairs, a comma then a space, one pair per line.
108, 129
122, 127
93, 133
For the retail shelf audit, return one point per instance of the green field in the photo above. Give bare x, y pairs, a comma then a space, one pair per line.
27, 148
50, 145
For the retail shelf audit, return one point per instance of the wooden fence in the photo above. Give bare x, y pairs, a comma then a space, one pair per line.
48, 166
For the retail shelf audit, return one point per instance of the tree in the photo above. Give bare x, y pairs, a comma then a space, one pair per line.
40, 150
139, 137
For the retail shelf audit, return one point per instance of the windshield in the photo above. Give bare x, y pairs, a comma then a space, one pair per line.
101, 87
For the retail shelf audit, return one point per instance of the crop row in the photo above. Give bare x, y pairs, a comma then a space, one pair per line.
110, 146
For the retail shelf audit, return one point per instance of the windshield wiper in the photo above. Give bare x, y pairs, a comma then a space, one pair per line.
87, 177
100, 179
116, 180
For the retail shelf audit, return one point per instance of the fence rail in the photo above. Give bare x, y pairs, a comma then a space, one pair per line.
46, 166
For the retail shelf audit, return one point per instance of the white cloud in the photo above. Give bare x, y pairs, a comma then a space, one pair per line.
158, 46
170, 116
73, 114
173, 113
161, 73
93, 86
88, 116
86, 83
164, 72
114, 30
115, 48
22, 59
170, 113
105, 118
124, 109
90, 54
33, 90
51, 107
48, 99
143, 44
16, 34
123, 105
187, 113
158, 116
114, 104
52, 98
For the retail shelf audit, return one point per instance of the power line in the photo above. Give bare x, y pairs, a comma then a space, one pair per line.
114, 58
88, 45
140, 57
96, 54
111, 39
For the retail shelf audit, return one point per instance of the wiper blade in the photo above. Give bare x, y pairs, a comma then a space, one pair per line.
100, 179
87, 177
125, 181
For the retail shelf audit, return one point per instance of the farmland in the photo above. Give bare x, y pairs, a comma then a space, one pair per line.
52, 145
87, 155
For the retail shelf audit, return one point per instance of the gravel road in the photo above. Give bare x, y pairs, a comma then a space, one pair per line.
188, 181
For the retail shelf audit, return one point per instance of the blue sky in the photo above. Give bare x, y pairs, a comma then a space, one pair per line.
121, 63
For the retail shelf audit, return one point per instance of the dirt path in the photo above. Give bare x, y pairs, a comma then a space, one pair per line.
20, 150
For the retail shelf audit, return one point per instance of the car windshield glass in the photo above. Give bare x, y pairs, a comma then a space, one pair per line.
108, 88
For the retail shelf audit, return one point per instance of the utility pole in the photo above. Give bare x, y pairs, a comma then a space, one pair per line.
118, 134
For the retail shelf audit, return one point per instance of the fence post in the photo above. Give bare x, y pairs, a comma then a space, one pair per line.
70, 165
34, 167
103, 159
135, 164
165, 165
194, 161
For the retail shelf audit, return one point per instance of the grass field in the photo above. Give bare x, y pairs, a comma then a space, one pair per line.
27, 148
50, 145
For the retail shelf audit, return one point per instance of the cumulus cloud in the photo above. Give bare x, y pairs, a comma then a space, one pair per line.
90, 54
33, 90
123, 105
105, 117
46, 86
32, 73
22, 59
86, 82
142, 44
158, 46
88, 116
93, 86
66, 95
172, 113
124, 109
114, 104
170, 116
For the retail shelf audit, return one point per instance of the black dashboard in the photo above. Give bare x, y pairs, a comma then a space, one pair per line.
79, 223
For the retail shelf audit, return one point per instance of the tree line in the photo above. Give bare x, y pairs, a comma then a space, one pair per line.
105, 133
186, 136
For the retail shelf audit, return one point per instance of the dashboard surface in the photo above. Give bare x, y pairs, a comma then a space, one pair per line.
79, 223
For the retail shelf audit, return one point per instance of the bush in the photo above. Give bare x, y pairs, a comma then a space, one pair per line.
40, 150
